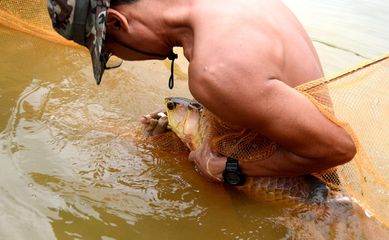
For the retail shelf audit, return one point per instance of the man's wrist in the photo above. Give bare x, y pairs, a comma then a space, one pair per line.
232, 173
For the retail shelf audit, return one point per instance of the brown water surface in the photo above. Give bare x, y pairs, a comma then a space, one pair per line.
72, 165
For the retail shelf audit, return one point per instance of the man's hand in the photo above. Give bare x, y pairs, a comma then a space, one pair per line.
208, 163
155, 123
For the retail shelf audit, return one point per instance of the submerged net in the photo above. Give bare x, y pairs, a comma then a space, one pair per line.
359, 103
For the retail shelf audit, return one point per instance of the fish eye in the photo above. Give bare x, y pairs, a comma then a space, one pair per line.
171, 105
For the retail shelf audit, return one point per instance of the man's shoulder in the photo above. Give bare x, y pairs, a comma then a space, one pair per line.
230, 57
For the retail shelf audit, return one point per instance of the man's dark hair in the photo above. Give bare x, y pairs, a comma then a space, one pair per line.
119, 2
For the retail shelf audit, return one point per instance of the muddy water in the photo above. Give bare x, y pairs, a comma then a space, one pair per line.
72, 165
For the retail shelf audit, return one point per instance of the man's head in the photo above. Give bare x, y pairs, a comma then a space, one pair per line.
119, 27
84, 21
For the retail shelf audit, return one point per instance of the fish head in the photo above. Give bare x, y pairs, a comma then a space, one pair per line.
184, 118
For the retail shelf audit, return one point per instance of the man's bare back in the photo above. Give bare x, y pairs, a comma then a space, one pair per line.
261, 35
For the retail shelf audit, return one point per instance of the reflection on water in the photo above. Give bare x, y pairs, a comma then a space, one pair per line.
344, 32
72, 165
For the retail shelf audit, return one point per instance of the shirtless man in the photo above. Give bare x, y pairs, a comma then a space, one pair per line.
245, 58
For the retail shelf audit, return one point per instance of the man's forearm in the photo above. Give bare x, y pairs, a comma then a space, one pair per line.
284, 163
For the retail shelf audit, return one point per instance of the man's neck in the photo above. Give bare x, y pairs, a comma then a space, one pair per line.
168, 19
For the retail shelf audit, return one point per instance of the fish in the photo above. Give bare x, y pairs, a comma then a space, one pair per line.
186, 119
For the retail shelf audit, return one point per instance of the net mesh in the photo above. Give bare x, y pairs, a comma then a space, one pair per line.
30, 17
357, 101
357, 97
361, 106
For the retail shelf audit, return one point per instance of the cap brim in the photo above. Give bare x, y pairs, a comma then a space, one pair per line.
96, 43
98, 63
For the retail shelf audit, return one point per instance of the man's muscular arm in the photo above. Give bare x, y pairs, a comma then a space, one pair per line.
309, 141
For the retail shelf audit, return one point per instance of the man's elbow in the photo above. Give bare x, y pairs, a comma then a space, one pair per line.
345, 152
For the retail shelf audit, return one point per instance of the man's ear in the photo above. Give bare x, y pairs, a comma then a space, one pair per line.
116, 20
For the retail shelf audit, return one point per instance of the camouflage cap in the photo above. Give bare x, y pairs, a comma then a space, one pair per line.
83, 21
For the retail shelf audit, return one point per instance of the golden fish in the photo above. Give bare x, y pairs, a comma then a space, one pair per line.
187, 121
